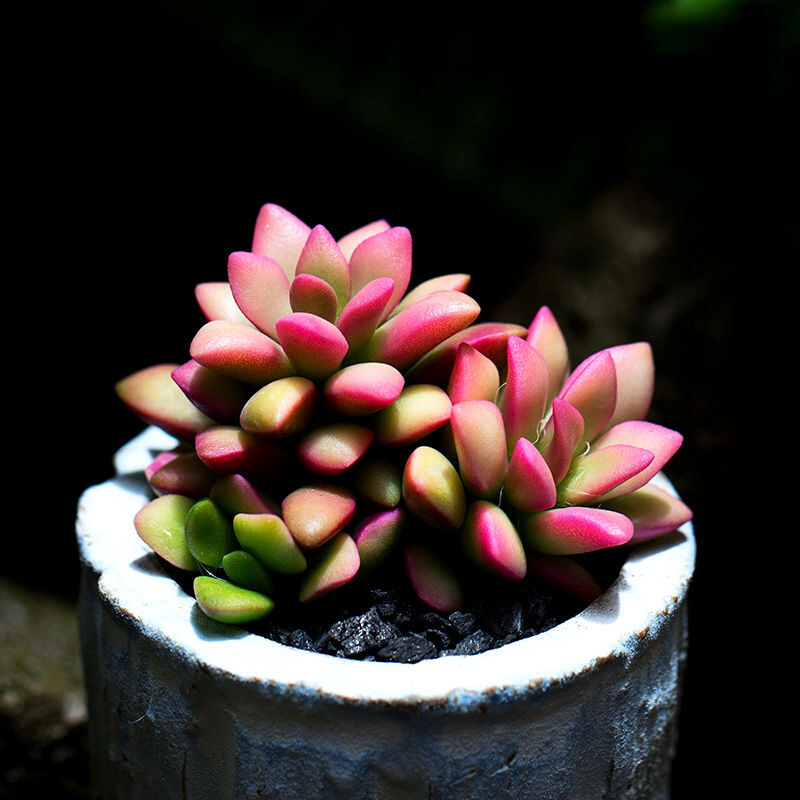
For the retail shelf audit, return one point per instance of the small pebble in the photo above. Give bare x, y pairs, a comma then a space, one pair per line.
407, 649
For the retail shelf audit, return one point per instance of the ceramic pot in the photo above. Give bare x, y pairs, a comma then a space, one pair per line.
183, 707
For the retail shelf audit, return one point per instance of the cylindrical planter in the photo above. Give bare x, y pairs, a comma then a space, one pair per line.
182, 707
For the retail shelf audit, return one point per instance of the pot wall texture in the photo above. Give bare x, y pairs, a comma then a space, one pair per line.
182, 707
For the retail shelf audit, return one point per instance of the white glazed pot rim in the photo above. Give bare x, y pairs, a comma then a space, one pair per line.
651, 586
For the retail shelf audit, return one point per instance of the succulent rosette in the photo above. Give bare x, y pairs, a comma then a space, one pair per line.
330, 421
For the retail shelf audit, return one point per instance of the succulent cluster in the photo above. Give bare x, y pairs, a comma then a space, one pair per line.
330, 421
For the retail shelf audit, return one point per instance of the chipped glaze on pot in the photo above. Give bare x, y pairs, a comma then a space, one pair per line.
183, 707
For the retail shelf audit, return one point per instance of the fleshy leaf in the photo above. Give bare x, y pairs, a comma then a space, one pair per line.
335, 565
220, 600
215, 395
545, 336
529, 484
474, 376
653, 512
432, 580
267, 538
363, 388
660, 441
377, 536
322, 258
488, 338
161, 524
593, 476
349, 242
314, 514
228, 449
182, 474
417, 412
209, 533
246, 571
260, 288
280, 235
592, 389
433, 490
237, 495
420, 327
569, 531
384, 255
635, 370
379, 480
314, 296
524, 395
491, 541
361, 315
239, 351
334, 448
457, 282
216, 302
281, 408
153, 396
565, 575
563, 435
315, 346
480, 443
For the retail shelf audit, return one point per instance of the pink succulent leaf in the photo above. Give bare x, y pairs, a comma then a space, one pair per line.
360, 317
281, 236
266, 537
432, 489
524, 396
474, 376
162, 459
491, 541
215, 395
529, 484
488, 338
237, 495
209, 533
420, 327
225, 602
384, 255
653, 512
592, 389
260, 288
563, 434
161, 524
216, 302
573, 530
379, 480
323, 259
315, 514
635, 381
660, 441
349, 242
334, 448
363, 388
313, 295
418, 411
480, 442
432, 580
315, 346
155, 398
336, 564
240, 352
377, 536
182, 474
282, 408
229, 450
545, 336
564, 575
594, 476
457, 282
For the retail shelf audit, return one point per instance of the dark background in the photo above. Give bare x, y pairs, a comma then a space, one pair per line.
628, 164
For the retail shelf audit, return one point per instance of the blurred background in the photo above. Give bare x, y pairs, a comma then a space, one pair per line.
630, 165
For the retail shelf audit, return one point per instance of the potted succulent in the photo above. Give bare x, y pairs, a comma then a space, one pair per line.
335, 439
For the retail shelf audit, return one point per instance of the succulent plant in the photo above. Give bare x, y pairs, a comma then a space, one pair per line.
329, 422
